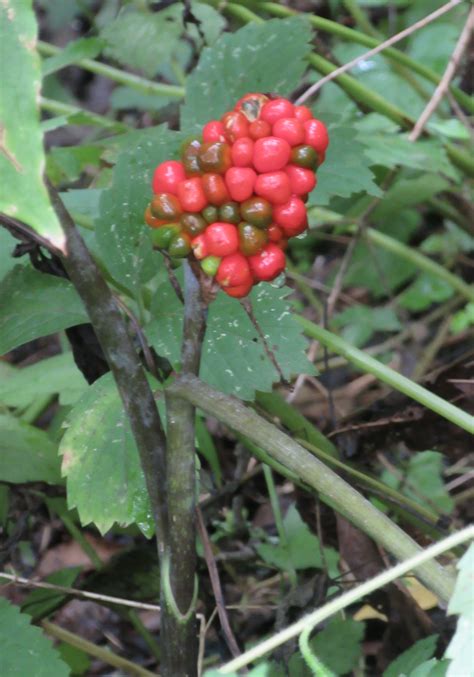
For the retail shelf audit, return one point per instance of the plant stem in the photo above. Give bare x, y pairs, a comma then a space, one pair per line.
60, 108
419, 260
369, 365
178, 597
117, 75
334, 491
124, 363
339, 30
343, 601
104, 655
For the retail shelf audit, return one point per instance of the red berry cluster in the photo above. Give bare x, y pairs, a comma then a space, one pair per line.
238, 193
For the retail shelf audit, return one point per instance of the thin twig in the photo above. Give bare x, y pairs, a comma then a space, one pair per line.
448, 75
387, 43
216, 586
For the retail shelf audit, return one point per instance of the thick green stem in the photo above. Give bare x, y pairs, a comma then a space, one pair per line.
117, 75
369, 365
60, 108
334, 491
179, 646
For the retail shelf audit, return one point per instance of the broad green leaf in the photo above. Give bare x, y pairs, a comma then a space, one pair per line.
434, 45
122, 235
410, 659
448, 242
58, 374
23, 194
303, 549
83, 201
78, 661
36, 304
407, 192
7, 246
424, 291
68, 162
27, 454
84, 48
361, 322
41, 602
345, 170
431, 668
105, 480
142, 39
267, 57
233, 357
338, 647
212, 22
25, 649
461, 647
452, 128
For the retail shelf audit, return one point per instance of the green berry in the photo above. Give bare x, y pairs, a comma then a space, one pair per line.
163, 235
210, 265
210, 214
229, 212
180, 246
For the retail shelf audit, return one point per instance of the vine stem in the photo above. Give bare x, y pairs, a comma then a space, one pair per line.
333, 490
178, 597
60, 108
369, 365
379, 48
308, 622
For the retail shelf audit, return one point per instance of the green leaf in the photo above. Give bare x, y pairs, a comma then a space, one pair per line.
27, 454
41, 602
303, 549
143, 40
126, 97
361, 322
409, 660
23, 193
36, 304
75, 51
212, 22
68, 162
338, 647
407, 192
463, 319
345, 170
452, 128
461, 649
105, 480
233, 356
424, 291
122, 236
431, 668
268, 57
58, 374
7, 246
25, 649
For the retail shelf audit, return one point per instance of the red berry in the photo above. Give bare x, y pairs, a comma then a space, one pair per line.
274, 187
240, 182
291, 217
302, 180
215, 189
200, 247
240, 291
271, 154
213, 131
191, 195
214, 157
233, 271
236, 125
259, 128
268, 264
151, 220
167, 177
275, 233
166, 206
221, 238
290, 129
242, 152
303, 113
316, 135
276, 109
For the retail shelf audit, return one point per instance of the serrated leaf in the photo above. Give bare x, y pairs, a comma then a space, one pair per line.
267, 57
36, 304
407, 192
142, 40
424, 291
233, 356
461, 647
25, 649
23, 193
58, 374
75, 51
122, 236
105, 480
345, 170
302, 550
410, 659
212, 22
361, 322
27, 454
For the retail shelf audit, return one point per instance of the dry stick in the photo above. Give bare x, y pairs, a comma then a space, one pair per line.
448, 75
179, 583
216, 586
333, 490
388, 43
